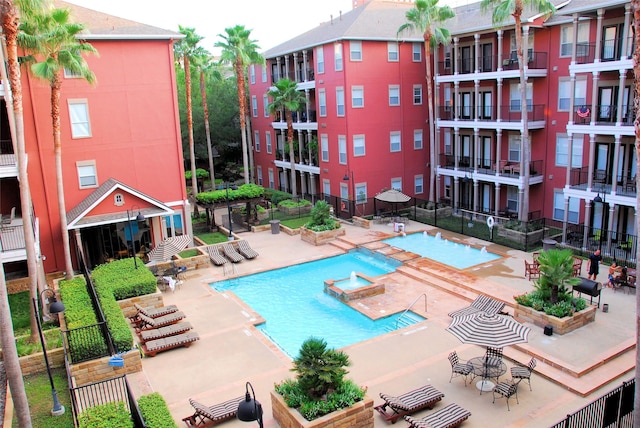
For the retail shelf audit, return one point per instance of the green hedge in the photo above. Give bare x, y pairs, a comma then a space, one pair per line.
117, 323
124, 279
289, 203
276, 196
155, 411
246, 191
200, 173
110, 415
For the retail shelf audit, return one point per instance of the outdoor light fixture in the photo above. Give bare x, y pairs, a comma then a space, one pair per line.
233, 187
250, 409
55, 307
601, 200
139, 218
353, 184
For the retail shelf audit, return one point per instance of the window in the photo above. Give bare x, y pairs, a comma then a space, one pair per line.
562, 150
564, 93
447, 187
514, 96
340, 101
326, 187
87, 175
357, 96
337, 52
256, 140
417, 139
418, 184
512, 199
394, 95
447, 98
265, 103
396, 183
70, 74
361, 193
355, 50
259, 174
252, 73
320, 60
394, 141
417, 95
566, 40
344, 197
558, 208
324, 147
264, 74
271, 181
342, 149
514, 147
358, 145
79, 116
268, 141
254, 106
392, 52
322, 103
416, 49
530, 41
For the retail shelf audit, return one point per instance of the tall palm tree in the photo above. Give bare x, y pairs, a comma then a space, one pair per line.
52, 39
502, 11
185, 50
425, 18
238, 50
285, 96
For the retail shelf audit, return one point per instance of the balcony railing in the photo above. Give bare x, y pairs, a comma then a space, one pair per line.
489, 113
297, 75
605, 115
12, 238
491, 63
490, 166
611, 50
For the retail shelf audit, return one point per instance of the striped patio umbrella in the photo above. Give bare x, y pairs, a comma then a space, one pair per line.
493, 331
169, 248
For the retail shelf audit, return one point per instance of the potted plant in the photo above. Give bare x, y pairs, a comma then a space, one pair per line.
322, 228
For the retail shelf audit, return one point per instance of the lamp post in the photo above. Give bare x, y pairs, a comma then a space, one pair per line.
250, 409
603, 201
139, 218
353, 187
54, 308
233, 187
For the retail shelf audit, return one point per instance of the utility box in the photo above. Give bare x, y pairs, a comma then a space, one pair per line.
275, 227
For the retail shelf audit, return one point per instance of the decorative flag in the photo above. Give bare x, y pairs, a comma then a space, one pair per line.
583, 112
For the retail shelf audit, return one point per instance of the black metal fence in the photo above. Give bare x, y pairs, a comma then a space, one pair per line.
612, 409
87, 343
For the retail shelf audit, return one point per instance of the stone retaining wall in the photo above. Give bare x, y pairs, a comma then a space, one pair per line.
320, 238
154, 300
34, 363
560, 325
97, 370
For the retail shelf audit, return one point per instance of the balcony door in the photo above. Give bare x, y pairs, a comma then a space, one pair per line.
611, 42
607, 96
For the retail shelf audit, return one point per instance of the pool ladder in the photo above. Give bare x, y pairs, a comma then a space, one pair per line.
406, 319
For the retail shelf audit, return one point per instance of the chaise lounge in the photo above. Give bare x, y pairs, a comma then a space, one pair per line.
152, 312
231, 253
408, 403
482, 303
449, 416
246, 250
215, 256
169, 330
152, 347
209, 416
148, 323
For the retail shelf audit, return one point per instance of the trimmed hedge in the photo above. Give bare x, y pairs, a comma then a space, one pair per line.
246, 191
109, 415
117, 323
155, 411
124, 279
276, 196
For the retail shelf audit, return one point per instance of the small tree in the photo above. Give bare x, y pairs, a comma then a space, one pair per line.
320, 370
321, 218
556, 273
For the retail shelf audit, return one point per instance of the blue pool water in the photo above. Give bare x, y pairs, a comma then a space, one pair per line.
295, 307
450, 253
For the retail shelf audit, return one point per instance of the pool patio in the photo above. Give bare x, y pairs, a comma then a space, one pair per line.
584, 364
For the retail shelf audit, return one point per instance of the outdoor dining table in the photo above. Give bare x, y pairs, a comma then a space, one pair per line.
487, 368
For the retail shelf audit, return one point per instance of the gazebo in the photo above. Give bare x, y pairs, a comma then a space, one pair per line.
391, 196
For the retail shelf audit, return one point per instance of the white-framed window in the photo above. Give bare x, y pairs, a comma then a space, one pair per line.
256, 140
344, 197
512, 199
252, 73
324, 147
79, 116
418, 184
337, 52
342, 149
418, 142
357, 96
396, 183
417, 95
254, 105
259, 174
562, 150
326, 187
530, 45
359, 148
340, 101
514, 96
320, 60
355, 50
416, 51
514, 147
392, 52
272, 183
566, 39
267, 139
361, 193
564, 92
263, 69
394, 95
448, 103
265, 103
70, 74
87, 174
558, 208
322, 103
395, 144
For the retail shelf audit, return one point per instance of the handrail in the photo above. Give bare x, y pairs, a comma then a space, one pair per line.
411, 306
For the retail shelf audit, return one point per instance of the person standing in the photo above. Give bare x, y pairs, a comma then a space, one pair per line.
594, 265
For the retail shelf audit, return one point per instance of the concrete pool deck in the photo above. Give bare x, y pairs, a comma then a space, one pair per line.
231, 351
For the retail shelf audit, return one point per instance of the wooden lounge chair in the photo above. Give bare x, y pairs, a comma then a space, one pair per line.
482, 303
205, 416
408, 403
449, 416
231, 253
246, 250
169, 330
152, 347
215, 256
147, 323
152, 312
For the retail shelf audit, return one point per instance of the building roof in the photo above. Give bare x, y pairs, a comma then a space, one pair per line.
102, 26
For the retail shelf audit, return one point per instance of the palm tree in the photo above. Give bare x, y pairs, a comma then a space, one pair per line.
285, 96
319, 369
425, 18
184, 51
238, 50
556, 273
53, 40
502, 10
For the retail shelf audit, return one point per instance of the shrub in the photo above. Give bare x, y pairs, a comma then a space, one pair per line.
290, 203
565, 307
109, 415
200, 173
276, 196
155, 411
321, 218
117, 323
246, 191
124, 279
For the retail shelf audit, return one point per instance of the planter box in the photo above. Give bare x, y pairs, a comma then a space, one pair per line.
320, 238
521, 237
425, 214
560, 325
306, 209
360, 415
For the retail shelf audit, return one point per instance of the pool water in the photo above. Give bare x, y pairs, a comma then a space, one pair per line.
295, 307
450, 253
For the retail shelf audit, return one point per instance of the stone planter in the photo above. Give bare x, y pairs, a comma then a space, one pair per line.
306, 209
359, 415
320, 238
425, 214
523, 238
560, 325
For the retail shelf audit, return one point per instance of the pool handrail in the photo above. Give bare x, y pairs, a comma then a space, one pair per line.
411, 305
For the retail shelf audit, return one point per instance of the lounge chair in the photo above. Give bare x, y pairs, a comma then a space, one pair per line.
169, 330
205, 416
231, 253
152, 347
408, 403
449, 416
215, 256
147, 323
152, 312
482, 303
246, 250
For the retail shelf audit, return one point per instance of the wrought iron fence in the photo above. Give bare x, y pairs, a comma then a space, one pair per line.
86, 343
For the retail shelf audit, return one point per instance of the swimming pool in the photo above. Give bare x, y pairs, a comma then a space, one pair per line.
450, 253
294, 305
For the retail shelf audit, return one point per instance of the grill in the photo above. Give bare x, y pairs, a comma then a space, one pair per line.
587, 286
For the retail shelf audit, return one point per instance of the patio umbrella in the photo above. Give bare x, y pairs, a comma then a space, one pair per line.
493, 331
392, 196
169, 248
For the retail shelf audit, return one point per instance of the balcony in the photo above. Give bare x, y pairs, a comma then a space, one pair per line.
8, 161
490, 166
12, 241
602, 182
611, 50
299, 76
487, 114
606, 115
488, 64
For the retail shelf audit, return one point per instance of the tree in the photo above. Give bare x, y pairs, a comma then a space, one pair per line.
238, 50
319, 369
285, 96
556, 273
425, 18
53, 42
635, 5
502, 10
